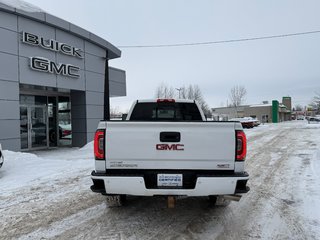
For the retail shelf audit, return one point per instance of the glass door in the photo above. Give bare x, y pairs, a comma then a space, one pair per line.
33, 127
39, 128
52, 122
24, 127
64, 120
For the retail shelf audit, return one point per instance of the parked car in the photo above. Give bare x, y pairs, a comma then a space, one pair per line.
64, 132
314, 120
300, 117
247, 122
1, 156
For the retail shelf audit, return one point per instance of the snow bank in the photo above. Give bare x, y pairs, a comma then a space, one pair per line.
312, 125
31, 169
21, 5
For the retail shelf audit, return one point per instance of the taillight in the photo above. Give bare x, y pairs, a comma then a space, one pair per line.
99, 146
241, 146
162, 100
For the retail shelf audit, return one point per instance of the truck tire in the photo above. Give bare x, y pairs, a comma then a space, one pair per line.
115, 200
212, 200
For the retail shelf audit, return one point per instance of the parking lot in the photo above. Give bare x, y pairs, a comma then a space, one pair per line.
45, 195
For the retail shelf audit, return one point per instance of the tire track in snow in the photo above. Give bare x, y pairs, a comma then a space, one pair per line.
269, 206
57, 228
30, 209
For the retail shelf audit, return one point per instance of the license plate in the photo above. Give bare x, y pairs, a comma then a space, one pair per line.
169, 180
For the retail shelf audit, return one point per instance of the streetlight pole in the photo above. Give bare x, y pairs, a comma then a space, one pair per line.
179, 89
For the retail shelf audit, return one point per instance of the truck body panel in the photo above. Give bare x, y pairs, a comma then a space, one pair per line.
202, 145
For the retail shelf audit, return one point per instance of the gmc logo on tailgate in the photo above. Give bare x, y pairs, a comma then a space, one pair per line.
170, 147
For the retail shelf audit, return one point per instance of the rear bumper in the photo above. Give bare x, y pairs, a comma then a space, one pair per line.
136, 185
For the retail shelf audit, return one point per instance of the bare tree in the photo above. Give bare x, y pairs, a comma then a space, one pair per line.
298, 108
115, 112
316, 102
237, 97
164, 91
191, 92
183, 93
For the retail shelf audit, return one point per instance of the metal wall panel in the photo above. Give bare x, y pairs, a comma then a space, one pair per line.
9, 129
79, 126
11, 144
78, 98
8, 67
78, 113
42, 30
74, 41
94, 82
94, 98
8, 21
57, 21
94, 49
79, 139
117, 75
92, 124
94, 111
9, 110
9, 40
9, 90
90, 136
117, 89
29, 76
95, 64
74, 83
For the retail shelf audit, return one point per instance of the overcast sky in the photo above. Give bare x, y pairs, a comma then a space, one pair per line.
269, 69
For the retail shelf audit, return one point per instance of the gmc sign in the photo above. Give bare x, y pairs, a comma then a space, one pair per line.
170, 147
45, 65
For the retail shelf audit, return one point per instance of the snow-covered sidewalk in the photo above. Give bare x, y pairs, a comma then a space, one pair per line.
22, 169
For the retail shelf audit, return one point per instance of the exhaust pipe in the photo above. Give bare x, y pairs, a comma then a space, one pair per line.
234, 197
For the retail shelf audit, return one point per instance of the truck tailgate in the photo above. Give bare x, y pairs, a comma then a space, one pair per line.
202, 145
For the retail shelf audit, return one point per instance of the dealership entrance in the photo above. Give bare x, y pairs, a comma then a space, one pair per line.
45, 121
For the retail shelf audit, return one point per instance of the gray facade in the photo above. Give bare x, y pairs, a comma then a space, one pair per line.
263, 112
83, 83
225, 113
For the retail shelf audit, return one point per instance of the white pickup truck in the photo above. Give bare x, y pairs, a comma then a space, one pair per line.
166, 147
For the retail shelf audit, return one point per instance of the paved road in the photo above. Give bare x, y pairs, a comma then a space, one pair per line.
283, 162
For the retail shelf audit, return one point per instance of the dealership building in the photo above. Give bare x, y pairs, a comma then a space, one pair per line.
266, 112
53, 79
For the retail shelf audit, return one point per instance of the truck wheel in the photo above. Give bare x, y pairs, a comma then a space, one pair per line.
212, 200
115, 200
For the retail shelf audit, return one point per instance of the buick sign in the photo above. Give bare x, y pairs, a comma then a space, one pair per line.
51, 44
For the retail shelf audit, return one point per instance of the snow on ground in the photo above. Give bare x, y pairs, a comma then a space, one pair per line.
46, 195
22, 169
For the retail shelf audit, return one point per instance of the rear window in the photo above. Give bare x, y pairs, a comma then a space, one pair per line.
165, 112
